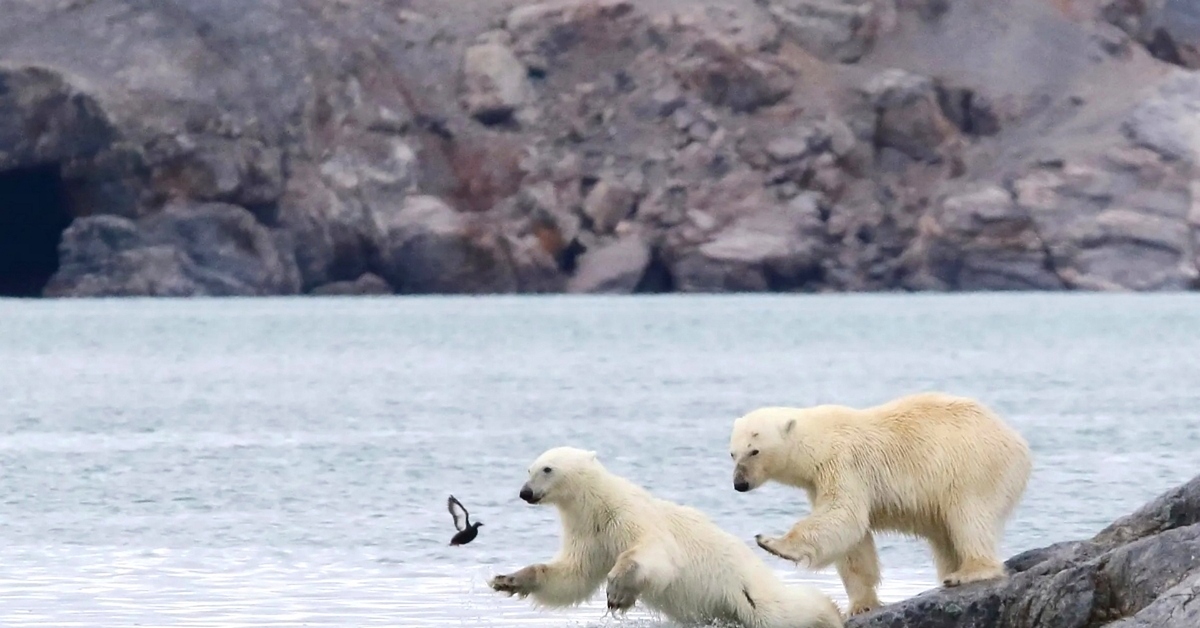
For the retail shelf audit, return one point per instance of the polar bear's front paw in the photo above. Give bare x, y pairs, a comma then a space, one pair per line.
621, 599
622, 590
520, 583
784, 550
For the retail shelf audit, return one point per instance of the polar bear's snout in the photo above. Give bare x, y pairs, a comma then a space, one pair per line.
740, 483
527, 494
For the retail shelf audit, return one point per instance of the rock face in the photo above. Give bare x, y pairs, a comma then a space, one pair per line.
295, 146
1141, 571
183, 250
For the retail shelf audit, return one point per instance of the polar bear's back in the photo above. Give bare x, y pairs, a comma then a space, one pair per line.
718, 573
923, 451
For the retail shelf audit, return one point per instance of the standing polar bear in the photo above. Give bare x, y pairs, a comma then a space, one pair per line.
670, 556
937, 466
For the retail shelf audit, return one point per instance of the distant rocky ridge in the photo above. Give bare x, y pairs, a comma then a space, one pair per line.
276, 147
1143, 571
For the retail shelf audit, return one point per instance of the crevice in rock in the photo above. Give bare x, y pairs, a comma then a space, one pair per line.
1048, 263
1161, 47
498, 118
803, 281
657, 279
34, 212
568, 258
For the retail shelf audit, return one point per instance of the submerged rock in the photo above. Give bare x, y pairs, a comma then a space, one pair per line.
367, 284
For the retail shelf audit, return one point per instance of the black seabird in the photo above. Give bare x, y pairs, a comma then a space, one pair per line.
466, 530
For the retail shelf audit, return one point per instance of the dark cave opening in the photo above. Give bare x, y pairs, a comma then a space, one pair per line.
33, 215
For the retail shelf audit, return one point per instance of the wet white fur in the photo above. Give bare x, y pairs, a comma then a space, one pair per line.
687, 568
932, 465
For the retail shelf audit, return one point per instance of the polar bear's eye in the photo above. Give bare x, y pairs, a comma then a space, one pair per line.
546, 470
753, 452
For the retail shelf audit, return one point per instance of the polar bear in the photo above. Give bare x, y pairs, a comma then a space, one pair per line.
671, 557
932, 465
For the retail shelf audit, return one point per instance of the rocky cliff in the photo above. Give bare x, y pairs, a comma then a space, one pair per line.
1143, 571
223, 147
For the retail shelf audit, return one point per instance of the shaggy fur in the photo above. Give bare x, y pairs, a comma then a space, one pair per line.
670, 557
931, 465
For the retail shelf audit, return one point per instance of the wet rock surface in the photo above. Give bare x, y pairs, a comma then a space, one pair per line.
608, 145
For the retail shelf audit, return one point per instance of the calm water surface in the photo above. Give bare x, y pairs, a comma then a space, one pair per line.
286, 462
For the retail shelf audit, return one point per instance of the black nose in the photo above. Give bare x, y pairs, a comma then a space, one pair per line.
741, 486
527, 495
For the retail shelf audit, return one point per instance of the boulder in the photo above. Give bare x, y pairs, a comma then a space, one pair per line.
908, 116
1169, 29
774, 250
208, 249
494, 82
428, 247
1168, 121
982, 240
726, 76
613, 268
608, 203
834, 30
1142, 570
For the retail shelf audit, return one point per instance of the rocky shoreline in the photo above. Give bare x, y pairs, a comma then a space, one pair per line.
218, 147
1143, 571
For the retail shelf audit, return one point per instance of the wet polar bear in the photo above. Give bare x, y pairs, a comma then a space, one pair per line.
669, 556
932, 465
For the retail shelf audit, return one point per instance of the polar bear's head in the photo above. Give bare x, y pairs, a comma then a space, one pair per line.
555, 474
759, 444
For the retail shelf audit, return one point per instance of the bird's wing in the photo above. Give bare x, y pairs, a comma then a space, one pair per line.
458, 512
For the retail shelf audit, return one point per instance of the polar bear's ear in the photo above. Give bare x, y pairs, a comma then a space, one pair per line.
592, 455
787, 427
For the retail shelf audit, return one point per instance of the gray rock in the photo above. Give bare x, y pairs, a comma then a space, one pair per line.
494, 82
614, 268
1169, 29
608, 203
1143, 570
545, 30
909, 118
1114, 223
785, 149
982, 240
726, 76
774, 250
1169, 121
428, 247
186, 250
366, 285
834, 30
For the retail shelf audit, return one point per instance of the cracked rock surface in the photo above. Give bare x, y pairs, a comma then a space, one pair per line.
501, 146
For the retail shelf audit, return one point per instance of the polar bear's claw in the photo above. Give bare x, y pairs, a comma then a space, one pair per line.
518, 584
621, 591
770, 545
